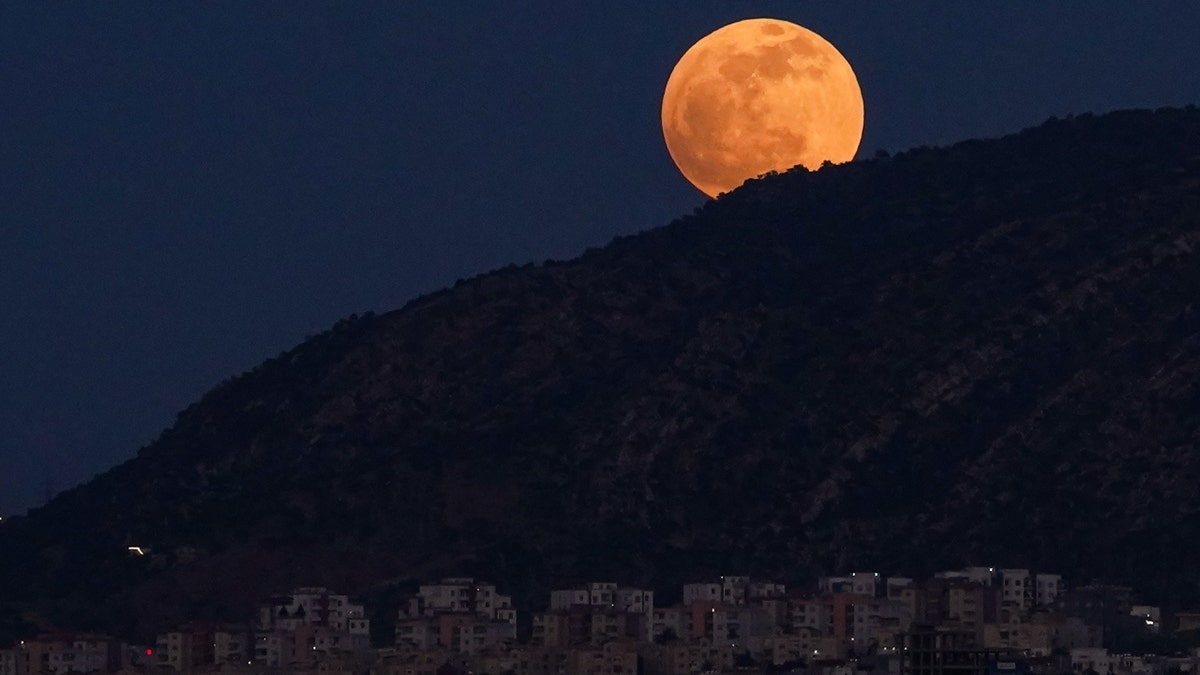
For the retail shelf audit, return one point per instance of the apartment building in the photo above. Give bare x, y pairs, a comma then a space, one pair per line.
203, 645
454, 595
927, 650
606, 595
1017, 588
60, 654
669, 622
1047, 588
617, 657
682, 658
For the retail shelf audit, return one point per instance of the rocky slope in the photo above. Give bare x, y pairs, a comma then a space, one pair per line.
975, 354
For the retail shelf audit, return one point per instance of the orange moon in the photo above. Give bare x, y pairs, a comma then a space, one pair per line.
759, 95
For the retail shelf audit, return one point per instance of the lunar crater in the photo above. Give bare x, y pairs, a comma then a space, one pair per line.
756, 96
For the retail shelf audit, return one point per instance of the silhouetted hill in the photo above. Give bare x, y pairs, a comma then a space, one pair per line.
982, 353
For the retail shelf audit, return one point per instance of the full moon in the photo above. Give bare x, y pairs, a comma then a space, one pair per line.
759, 95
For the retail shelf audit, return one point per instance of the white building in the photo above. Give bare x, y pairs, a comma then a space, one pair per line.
760, 590
743, 627
568, 598
1048, 588
325, 641
269, 648
461, 595
705, 593
814, 614
231, 646
306, 623
1016, 587
865, 583
357, 622
453, 594
60, 655
734, 590
489, 603
602, 593
731, 590
77, 657
636, 600
310, 607
859, 583
868, 618
203, 645
670, 620
473, 637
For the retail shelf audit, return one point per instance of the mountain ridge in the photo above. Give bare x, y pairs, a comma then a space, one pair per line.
936, 358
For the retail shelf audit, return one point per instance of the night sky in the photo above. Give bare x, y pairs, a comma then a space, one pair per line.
186, 190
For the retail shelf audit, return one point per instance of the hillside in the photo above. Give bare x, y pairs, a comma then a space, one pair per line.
986, 352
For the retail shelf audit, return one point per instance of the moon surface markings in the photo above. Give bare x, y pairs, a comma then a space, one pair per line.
756, 96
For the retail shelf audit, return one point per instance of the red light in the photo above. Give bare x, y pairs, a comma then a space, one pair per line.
149, 652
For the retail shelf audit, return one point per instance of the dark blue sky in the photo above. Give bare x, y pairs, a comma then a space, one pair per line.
186, 190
